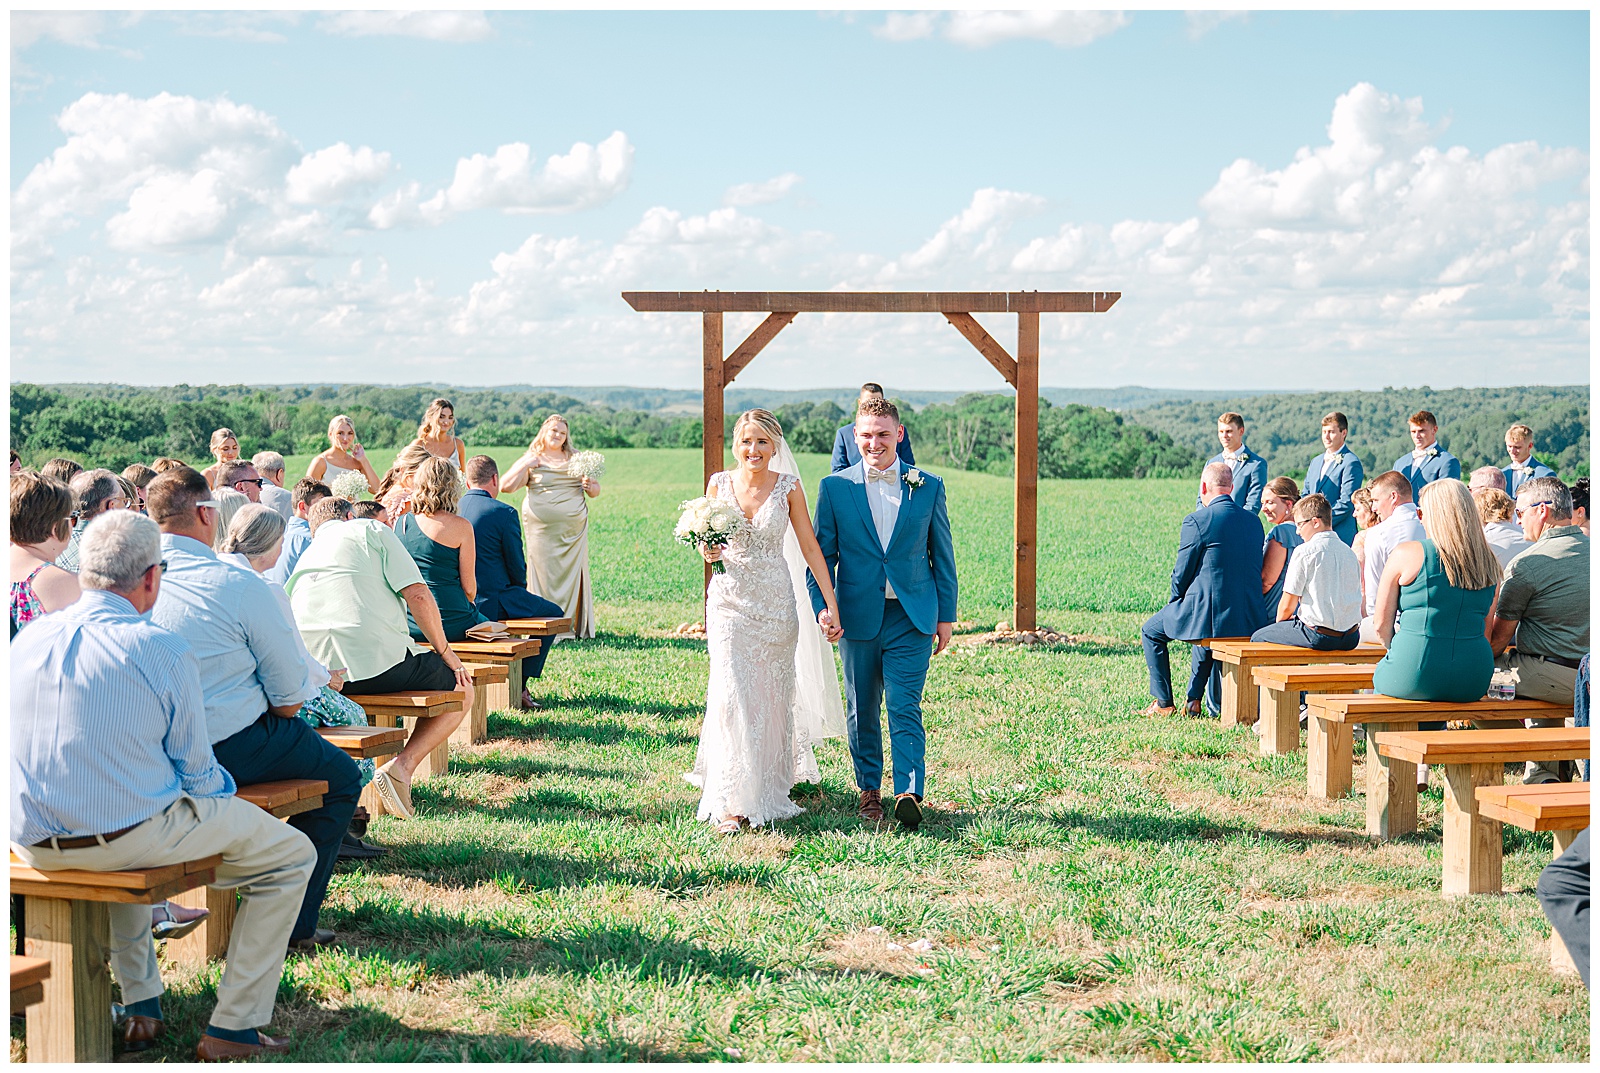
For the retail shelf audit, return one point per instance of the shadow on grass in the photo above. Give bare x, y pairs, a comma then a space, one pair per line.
512, 767
551, 727
634, 642
1130, 826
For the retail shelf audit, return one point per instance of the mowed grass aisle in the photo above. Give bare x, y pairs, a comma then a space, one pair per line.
1094, 885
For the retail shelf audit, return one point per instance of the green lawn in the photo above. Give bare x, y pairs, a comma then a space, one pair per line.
1094, 885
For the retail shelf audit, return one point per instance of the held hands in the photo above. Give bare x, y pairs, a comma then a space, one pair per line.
826, 619
941, 637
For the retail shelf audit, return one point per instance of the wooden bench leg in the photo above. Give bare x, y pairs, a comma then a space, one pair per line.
1329, 767
209, 941
1231, 695
1281, 710
73, 1023
514, 685
475, 727
496, 698
371, 799
1391, 788
1472, 843
1560, 959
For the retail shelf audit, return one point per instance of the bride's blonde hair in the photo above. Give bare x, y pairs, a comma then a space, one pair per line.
761, 419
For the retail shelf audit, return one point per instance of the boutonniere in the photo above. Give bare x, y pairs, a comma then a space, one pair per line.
1432, 452
914, 479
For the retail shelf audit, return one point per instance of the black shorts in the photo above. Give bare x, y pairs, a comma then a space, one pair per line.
424, 671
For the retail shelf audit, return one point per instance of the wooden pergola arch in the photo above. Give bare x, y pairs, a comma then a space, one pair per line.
1021, 372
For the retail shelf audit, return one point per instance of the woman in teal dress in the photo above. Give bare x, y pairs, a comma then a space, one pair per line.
1444, 589
441, 543
1277, 505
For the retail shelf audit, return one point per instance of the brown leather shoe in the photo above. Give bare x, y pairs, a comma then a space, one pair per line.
212, 1049
139, 1033
871, 806
908, 810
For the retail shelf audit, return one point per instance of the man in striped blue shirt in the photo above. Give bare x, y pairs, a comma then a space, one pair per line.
111, 769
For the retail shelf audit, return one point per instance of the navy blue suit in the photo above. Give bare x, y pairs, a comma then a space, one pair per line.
503, 570
847, 454
1515, 477
1249, 480
1216, 592
1436, 465
1337, 485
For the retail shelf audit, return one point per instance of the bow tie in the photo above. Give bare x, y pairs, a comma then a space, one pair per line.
1226, 457
881, 474
1426, 452
1522, 467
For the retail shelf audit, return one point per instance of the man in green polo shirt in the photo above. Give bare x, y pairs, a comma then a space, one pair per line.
1544, 605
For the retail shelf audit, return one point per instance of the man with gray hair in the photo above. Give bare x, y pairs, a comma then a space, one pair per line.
269, 465
1487, 477
95, 491
112, 769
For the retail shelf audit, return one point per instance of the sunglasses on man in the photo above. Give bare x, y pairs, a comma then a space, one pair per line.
1530, 506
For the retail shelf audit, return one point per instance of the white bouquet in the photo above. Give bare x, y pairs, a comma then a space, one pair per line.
351, 486
707, 522
591, 464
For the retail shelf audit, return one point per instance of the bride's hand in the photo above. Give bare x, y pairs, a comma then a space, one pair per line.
826, 619
711, 553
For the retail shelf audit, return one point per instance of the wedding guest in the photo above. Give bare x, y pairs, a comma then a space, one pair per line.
252, 677
442, 545
1398, 524
1441, 586
163, 464
1216, 589
1366, 518
1544, 605
1563, 890
1277, 507
555, 519
111, 770
270, 466
1524, 467
845, 451
346, 455
350, 595
1427, 461
330, 509
297, 531
394, 490
502, 571
437, 433
41, 525
228, 503
1321, 604
225, 449
1336, 474
1495, 510
95, 491
1487, 477
1249, 468
242, 477
140, 476
371, 510
1580, 504
62, 469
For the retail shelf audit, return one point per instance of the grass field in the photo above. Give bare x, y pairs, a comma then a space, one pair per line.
1094, 885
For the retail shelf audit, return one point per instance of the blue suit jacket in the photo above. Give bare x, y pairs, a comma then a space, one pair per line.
1248, 481
1216, 582
1337, 485
1514, 480
1434, 467
846, 453
501, 567
920, 561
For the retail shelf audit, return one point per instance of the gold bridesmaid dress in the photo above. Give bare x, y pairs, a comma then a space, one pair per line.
555, 520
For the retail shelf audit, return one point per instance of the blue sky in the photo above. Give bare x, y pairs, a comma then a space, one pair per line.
229, 196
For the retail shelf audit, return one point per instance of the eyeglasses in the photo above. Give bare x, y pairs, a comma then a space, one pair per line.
212, 503
257, 481
162, 564
1530, 506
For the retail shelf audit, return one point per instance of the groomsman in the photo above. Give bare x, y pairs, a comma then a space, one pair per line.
1524, 467
1336, 474
1249, 469
845, 451
1428, 462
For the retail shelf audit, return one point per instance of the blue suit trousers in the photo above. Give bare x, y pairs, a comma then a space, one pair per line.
1205, 677
893, 665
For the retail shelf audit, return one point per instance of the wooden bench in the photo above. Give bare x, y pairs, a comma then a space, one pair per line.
1391, 783
27, 982
509, 654
538, 627
1562, 808
65, 923
365, 743
475, 727
387, 709
1279, 701
1472, 759
1240, 658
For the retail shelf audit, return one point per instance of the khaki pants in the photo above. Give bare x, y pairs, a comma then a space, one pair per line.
1537, 680
269, 863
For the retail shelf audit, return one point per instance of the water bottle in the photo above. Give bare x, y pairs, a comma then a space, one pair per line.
1501, 686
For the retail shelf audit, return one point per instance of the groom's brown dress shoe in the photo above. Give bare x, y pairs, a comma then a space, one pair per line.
871, 806
908, 810
212, 1049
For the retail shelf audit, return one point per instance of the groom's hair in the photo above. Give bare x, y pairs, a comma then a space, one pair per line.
869, 388
878, 407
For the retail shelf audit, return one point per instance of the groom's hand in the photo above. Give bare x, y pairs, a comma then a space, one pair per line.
829, 630
941, 636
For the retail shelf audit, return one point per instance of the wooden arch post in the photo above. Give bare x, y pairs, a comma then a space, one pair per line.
1021, 372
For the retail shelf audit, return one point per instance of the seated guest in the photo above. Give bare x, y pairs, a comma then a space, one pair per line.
1524, 467
297, 533
1321, 604
163, 464
1366, 518
502, 570
139, 476
441, 544
1392, 502
1563, 890
1487, 477
62, 469
845, 451
96, 491
1336, 474
1495, 510
394, 490
1249, 468
369, 510
225, 449
350, 593
1216, 590
1277, 505
1442, 587
1427, 462
1544, 605
1580, 504
252, 675
242, 477
111, 769
228, 504
269, 467
41, 524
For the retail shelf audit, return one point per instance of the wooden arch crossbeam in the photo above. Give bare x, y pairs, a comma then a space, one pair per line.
1021, 370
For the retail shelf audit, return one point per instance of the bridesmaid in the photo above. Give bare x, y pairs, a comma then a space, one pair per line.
442, 544
555, 519
225, 449
345, 456
437, 433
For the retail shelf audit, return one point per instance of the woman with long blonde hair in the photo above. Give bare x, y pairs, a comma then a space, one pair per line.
225, 449
344, 455
555, 521
437, 433
395, 489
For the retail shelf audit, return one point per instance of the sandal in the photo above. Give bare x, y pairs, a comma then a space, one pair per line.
163, 925
730, 826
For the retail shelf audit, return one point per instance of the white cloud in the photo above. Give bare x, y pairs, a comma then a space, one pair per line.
172, 209
432, 25
81, 29
1201, 23
969, 236
775, 189
981, 29
334, 173
908, 25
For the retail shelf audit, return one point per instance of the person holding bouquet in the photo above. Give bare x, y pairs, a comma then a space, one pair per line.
346, 455
555, 520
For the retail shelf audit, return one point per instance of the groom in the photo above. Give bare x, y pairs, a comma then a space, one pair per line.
886, 538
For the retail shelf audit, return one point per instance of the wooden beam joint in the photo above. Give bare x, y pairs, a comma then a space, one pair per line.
987, 345
746, 351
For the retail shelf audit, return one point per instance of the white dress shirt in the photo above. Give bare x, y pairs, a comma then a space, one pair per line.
1326, 575
1506, 540
1403, 525
883, 499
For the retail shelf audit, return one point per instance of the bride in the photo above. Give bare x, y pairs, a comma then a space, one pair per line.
774, 690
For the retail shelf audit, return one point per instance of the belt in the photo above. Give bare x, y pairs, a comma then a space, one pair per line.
83, 841
1559, 661
1328, 631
